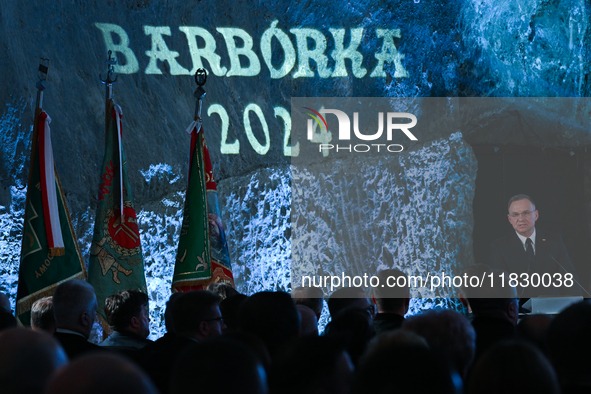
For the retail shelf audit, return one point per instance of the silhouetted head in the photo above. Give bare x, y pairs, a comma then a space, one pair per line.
312, 297
398, 367
312, 365
100, 373
221, 366
27, 360
490, 299
229, 308
5, 303
7, 320
42, 317
74, 306
534, 329
569, 344
272, 317
512, 368
348, 298
355, 328
197, 315
394, 297
309, 324
169, 312
128, 311
449, 333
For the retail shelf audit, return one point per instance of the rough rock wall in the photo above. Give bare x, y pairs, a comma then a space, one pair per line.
526, 48
412, 212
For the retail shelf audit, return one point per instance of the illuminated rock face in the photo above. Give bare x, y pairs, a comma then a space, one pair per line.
11, 223
257, 217
526, 48
363, 49
255, 63
412, 212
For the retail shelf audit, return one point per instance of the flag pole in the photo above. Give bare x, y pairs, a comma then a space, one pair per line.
109, 81
50, 237
202, 257
42, 74
200, 79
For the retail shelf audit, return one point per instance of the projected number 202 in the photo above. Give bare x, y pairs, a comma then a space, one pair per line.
260, 147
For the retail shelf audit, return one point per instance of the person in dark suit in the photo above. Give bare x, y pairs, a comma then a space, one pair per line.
74, 307
528, 251
194, 317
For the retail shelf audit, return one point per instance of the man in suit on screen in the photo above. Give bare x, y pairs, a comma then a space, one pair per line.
538, 257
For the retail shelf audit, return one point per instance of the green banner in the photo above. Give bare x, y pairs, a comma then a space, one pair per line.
116, 261
193, 261
41, 270
203, 255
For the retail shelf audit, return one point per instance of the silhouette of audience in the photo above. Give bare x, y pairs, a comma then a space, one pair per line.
5, 303
273, 346
7, 319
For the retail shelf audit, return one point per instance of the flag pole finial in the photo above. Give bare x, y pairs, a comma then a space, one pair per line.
109, 81
42, 75
200, 79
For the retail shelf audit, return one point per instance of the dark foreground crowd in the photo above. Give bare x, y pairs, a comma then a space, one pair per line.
221, 341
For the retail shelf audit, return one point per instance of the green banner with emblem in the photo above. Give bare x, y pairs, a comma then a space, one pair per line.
202, 257
42, 266
116, 261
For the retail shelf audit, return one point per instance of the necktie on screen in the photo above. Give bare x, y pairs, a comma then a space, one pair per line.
529, 249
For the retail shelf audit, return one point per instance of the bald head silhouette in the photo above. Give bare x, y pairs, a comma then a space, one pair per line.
74, 306
309, 321
27, 360
5, 303
100, 373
